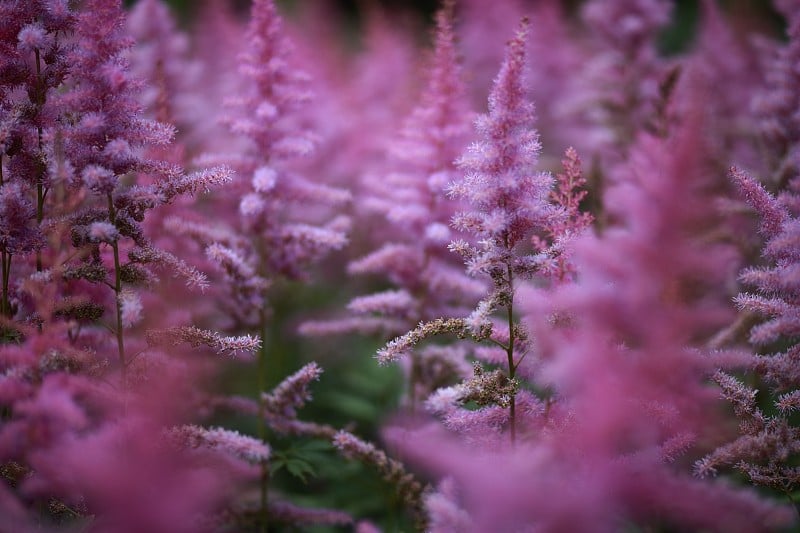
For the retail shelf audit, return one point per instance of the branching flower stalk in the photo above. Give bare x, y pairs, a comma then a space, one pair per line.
34, 64
512, 363
104, 142
117, 288
5, 266
510, 198
521, 226
269, 242
767, 448
41, 192
426, 281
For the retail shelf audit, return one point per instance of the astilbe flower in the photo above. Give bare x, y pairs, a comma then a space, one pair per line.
483, 32
412, 197
102, 144
627, 395
160, 57
768, 444
33, 63
618, 94
777, 103
88, 138
231, 442
516, 220
628, 366
522, 229
426, 282
723, 55
274, 240
556, 239
278, 409
275, 233
511, 204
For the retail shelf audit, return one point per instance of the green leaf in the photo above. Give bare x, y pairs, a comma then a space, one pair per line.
300, 469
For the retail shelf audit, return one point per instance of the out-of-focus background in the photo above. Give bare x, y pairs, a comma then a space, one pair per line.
354, 391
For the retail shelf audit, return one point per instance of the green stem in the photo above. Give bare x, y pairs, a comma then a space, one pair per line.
112, 215
512, 368
40, 177
39, 218
261, 423
5, 305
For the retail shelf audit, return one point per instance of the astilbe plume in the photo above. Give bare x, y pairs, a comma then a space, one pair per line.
768, 444
426, 281
618, 94
161, 59
273, 241
776, 105
101, 145
511, 207
615, 348
628, 363
279, 408
723, 55
521, 227
172, 92
34, 49
274, 235
68, 398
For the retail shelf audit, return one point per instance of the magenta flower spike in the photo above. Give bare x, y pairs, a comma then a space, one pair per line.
777, 103
619, 94
427, 282
174, 91
171, 205
767, 443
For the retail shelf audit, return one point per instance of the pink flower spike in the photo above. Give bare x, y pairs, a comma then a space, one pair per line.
231, 442
772, 214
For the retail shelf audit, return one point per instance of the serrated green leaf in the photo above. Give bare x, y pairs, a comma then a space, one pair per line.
300, 469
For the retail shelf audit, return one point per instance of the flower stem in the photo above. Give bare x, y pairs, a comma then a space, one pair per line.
261, 423
512, 368
40, 178
112, 215
5, 304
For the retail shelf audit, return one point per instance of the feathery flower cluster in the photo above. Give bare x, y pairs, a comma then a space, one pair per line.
568, 335
232, 442
778, 101
412, 201
393, 471
769, 443
198, 337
